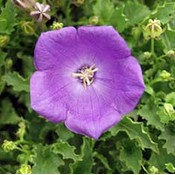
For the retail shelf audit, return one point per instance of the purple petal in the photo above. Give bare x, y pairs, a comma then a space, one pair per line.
55, 47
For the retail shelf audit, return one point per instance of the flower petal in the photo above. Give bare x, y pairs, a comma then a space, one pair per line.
94, 124
48, 90
106, 39
124, 79
55, 47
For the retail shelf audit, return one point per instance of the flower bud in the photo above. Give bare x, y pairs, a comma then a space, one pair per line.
21, 131
24, 169
168, 108
165, 75
3, 40
171, 53
8, 146
147, 55
27, 28
8, 63
93, 20
153, 170
153, 29
56, 25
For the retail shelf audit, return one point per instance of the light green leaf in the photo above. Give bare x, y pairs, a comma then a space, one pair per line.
7, 18
169, 136
135, 12
131, 154
118, 19
168, 40
66, 150
135, 130
84, 166
17, 82
46, 162
104, 9
163, 12
170, 98
7, 113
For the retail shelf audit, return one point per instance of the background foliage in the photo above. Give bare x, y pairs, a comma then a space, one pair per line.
143, 142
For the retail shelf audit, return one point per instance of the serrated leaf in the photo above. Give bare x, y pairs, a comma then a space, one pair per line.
7, 18
84, 166
131, 154
8, 114
163, 12
103, 9
135, 12
149, 112
159, 160
135, 130
103, 160
46, 162
16, 81
66, 150
169, 136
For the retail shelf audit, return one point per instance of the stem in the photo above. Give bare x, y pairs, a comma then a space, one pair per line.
152, 47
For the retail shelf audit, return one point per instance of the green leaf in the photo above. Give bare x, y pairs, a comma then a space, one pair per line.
17, 82
163, 12
170, 167
46, 162
170, 98
84, 166
135, 12
135, 130
2, 57
8, 114
168, 40
131, 154
104, 9
169, 136
118, 19
159, 160
7, 18
66, 150
149, 112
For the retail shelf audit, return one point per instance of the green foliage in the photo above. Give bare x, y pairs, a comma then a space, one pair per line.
142, 142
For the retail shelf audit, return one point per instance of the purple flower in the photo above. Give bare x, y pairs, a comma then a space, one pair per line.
85, 77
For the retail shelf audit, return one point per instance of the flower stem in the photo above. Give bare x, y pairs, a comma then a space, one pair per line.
152, 47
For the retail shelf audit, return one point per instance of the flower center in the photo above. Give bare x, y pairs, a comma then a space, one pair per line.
86, 75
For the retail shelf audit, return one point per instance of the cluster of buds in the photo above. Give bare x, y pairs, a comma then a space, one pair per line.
24, 169
8, 145
153, 29
37, 10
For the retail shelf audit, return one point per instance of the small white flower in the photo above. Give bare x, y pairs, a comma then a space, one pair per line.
40, 12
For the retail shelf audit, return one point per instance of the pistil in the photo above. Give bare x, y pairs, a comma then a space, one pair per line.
86, 74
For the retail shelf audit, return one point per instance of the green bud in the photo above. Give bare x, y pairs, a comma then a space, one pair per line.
78, 2
153, 170
27, 28
93, 20
3, 40
8, 146
168, 108
153, 29
8, 63
165, 75
24, 169
147, 55
56, 25
22, 129
171, 53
